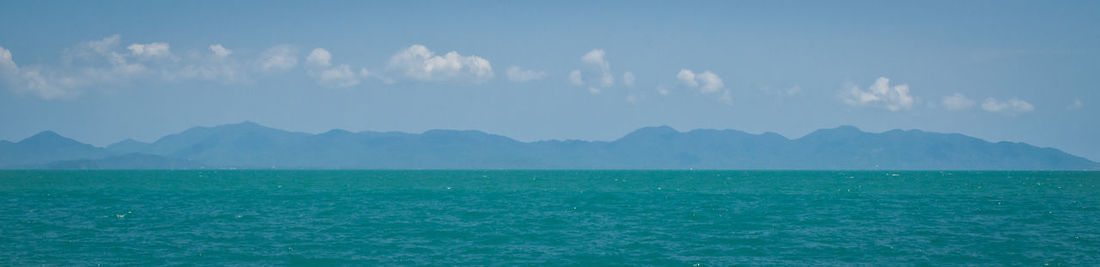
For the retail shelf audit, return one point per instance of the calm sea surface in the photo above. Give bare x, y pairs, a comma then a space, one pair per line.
548, 217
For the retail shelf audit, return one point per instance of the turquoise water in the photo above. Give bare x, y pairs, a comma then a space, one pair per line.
555, 217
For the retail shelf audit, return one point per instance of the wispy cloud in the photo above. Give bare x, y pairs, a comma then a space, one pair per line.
1076, 104
1010, 106
516, 74
956, 101
278, 58
789, 91
628, 79
215, 65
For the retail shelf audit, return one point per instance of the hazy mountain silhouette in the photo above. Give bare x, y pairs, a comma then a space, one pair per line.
249, 145
46, 147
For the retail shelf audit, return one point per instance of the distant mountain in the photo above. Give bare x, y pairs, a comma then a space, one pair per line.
249, 145
45, 147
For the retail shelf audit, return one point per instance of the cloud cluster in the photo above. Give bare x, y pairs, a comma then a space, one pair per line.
418, 63
881, 94
707, 82
1011, 106
89, 63
107, 62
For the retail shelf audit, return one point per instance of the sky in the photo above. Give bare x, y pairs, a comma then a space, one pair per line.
104, 71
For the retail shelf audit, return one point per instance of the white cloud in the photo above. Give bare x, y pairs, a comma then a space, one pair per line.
957, 101
881, 94
154, 50
319, 62
278, 58
419, 63
707, 82
595, 58
687, 77
1013, 105
319, 57
516, 74
220, 50
1076, 104
628, 79
7, 65
593, 64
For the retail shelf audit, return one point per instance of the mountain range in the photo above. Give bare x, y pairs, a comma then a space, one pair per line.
250, 145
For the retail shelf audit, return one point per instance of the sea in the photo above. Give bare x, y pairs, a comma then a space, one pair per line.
548, 217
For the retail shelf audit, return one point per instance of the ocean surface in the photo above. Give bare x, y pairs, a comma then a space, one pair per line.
673, 218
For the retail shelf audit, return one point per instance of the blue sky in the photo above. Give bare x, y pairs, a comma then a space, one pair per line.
101, 72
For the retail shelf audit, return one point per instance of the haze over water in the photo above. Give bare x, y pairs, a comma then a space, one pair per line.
549, 217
